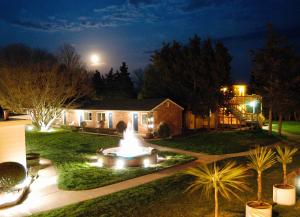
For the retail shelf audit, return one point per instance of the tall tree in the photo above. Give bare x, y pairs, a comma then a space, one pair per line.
69, 58
272, 75
138, 80
99, 84
190, 74
124, 82
38, 85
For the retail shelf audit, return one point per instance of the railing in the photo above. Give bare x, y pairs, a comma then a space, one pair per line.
242, 100
238, 108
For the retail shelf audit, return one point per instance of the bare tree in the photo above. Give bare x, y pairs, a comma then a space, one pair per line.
43, 93
44, 86
69, 58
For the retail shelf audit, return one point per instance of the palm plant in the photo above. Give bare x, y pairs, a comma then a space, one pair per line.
285, 156
221, 180
261, 159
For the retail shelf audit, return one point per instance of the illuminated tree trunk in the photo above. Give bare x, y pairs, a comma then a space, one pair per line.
216, 203
284, 174
279, 123
259, 187
270, 120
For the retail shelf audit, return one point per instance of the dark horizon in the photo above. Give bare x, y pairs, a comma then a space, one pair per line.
130, 30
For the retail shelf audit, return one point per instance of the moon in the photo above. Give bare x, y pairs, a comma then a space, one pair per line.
95, 59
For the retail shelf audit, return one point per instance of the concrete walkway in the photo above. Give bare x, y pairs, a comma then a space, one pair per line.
45, 195
290, 137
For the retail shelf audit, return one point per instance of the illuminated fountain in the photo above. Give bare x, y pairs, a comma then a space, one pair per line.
130, 153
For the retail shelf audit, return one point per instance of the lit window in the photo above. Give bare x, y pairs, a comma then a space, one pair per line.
87, 116
101, 116
144, 118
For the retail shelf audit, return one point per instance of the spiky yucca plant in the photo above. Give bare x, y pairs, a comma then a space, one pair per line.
285, 156
221, 180
261, 159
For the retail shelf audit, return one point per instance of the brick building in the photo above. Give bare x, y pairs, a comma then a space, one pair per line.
145, 115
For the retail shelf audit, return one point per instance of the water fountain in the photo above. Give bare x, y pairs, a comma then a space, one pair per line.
130, 153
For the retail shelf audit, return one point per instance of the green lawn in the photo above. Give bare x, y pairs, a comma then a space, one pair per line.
166, 197
71, 151
292, 127
221, 142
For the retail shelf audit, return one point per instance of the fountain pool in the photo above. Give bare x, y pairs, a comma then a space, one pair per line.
130, 153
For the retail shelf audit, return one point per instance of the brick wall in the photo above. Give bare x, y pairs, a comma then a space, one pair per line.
171, 114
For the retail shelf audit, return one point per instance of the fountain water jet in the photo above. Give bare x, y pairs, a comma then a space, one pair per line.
130, 152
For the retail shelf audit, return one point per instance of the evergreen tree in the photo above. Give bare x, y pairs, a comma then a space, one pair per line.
99, 84
124, 81
273, 74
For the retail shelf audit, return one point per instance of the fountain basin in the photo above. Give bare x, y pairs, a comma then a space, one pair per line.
119, 158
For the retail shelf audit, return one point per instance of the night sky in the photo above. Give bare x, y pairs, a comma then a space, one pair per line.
130, 30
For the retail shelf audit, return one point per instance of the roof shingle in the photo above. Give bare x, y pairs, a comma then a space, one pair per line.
123, 104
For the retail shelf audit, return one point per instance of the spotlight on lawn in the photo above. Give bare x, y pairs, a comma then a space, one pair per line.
29, 128
146, 162
120, 164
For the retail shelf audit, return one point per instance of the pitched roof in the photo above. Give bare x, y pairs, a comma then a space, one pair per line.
124, 104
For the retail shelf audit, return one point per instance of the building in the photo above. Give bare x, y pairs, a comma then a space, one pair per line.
145, 115
242, 110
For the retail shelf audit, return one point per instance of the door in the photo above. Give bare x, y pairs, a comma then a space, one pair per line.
135, 122
110, 123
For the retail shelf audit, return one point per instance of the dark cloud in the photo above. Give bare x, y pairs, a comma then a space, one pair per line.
193, 5
138, 2
291, 33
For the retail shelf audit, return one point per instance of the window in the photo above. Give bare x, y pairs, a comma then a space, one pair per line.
87, 116
144, 118
101, 116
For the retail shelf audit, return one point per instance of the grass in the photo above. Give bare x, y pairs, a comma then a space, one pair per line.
221, 142
166, 197
292, 127
70, 152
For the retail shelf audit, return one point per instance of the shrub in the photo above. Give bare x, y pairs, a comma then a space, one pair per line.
121, 126
83, 124
163, 130
12, 174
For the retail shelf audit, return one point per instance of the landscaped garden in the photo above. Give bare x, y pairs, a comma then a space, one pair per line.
220, 142
71, 152
292, 127
168, 197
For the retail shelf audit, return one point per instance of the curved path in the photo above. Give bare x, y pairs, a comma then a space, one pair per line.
45, 195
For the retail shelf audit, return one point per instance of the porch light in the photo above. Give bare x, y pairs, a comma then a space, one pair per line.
146, 162
120, 164
253, 105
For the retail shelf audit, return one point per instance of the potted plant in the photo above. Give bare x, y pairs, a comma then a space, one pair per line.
260, 159
284, 194
219, 181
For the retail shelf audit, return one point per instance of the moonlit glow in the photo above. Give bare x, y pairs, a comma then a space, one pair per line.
95, 59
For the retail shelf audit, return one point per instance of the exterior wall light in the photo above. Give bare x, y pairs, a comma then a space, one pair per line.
146, 162
120, 164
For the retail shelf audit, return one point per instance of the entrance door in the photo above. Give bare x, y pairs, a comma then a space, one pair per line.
135, 122
110, 123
